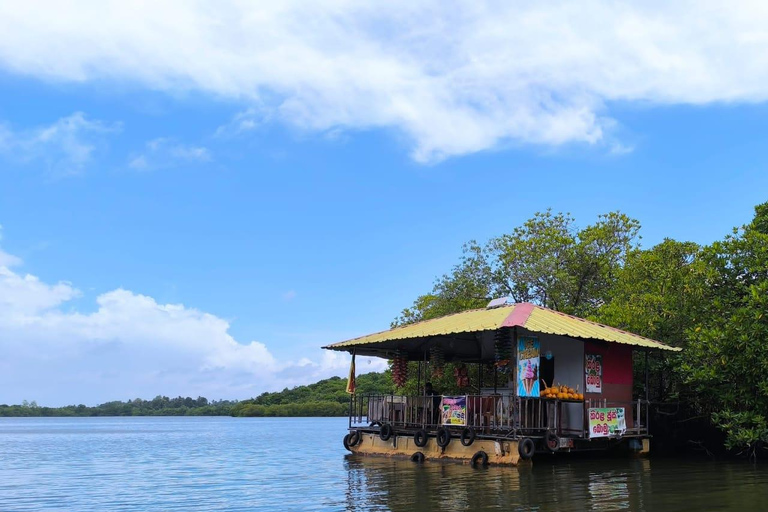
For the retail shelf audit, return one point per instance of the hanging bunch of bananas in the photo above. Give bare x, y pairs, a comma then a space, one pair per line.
400, 369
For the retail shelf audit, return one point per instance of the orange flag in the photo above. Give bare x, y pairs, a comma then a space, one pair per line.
351, 378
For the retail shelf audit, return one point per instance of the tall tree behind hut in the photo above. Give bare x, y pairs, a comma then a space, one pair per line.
546, 261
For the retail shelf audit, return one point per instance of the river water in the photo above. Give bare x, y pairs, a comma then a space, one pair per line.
204, 464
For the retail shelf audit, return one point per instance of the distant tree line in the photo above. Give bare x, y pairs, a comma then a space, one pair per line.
327, 397
159, 406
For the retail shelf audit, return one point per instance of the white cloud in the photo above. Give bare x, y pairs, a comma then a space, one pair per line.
164, 152
7, 260
289, 295
66, 147
132, 346
455, 78
25, 297
244, 122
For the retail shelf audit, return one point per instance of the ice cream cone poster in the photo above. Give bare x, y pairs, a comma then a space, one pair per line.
593, 367
528, 354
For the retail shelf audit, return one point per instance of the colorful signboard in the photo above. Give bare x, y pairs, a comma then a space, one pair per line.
593, 369
607, 422
528, 358
454, 410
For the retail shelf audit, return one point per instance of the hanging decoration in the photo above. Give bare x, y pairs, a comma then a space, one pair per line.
437, 360
399, 369
462, 376
502, 344
351, 384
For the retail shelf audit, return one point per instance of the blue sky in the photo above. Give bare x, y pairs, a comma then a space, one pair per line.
189, 208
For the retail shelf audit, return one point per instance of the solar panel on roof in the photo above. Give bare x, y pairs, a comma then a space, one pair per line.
501, 301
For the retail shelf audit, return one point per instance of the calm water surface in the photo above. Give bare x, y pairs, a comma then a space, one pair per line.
197, 464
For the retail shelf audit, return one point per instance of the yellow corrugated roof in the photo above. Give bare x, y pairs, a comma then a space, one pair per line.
547, 321
531, 317
474, 320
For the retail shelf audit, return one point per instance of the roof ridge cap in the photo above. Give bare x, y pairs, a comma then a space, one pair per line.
519, 315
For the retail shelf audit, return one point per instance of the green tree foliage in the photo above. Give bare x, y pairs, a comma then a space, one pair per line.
547, 261
327, 397
550, 262
658, 294
726, 359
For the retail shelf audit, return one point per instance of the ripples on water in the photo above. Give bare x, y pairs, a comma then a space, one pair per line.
202, 464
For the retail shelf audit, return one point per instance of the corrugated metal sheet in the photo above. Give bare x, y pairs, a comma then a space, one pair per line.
547, 321
467, 321
531, 317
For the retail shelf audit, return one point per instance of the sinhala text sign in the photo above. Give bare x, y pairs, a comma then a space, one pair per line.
593, 369
454, 410
607, 422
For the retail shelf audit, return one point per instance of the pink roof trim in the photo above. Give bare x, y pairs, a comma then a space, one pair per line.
519, 315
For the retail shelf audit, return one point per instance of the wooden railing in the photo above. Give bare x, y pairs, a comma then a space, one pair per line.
493, 415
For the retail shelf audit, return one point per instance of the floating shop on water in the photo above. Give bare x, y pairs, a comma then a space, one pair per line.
557, 383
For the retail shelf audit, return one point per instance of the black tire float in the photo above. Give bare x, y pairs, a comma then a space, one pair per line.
417, 457
443, 437
346, 442
386, 432
526, 448
420, 438
552, 441
468, 436
354, 438
479, 458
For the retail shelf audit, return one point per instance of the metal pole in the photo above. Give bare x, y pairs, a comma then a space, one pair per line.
660, 373
646, 376
418, 380
647, 399
351, 400
514, 348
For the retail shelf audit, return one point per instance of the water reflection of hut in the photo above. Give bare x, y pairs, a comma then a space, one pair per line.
399, 486
559, 383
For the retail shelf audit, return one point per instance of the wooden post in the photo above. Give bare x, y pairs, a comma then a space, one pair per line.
646, 376
479, 379
495, 379
515, 354
418, 380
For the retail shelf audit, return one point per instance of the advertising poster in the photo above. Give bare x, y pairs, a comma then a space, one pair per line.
593, 368
454, 410
607, 422
528, 357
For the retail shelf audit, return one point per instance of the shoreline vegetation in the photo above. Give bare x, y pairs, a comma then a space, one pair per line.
323, 398
327, 397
